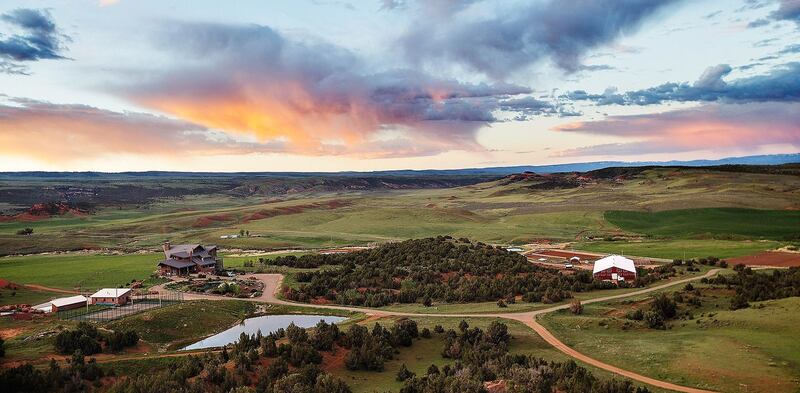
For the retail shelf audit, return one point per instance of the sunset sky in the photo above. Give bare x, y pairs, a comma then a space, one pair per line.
328, 85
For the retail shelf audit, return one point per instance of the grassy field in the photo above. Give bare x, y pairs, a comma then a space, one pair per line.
679, 249
179, 325
71, 271
710, 222
25, 296
496, 212
752, 350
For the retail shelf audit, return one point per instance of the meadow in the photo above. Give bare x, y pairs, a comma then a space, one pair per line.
752, 349
710, 222
500, 211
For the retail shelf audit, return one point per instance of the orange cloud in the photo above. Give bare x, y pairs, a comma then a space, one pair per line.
57, 133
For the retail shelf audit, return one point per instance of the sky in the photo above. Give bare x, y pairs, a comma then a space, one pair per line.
329, 85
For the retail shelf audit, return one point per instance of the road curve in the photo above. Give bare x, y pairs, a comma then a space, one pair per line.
272, 284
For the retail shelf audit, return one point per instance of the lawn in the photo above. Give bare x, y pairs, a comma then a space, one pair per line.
26, 296
84, 271
753, 349
710, 222
186, 322
680, 249
178, 325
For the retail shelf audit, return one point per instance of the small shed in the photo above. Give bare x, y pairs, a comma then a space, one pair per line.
62, 303
68, 303
614, 268
111, 296
575, 260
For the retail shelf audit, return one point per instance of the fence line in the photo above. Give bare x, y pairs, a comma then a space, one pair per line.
137, 304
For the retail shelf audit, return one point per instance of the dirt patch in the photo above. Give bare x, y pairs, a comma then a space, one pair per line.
207, 221
334, 360
568, 254
768, 258
5, 284
296, 209
9, 333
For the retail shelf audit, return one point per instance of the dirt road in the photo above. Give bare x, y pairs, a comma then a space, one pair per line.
272, 283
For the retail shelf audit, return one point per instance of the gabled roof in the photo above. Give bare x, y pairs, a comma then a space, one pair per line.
67, 301
205, 261
189, 250
111, 292
617, 261
174, 263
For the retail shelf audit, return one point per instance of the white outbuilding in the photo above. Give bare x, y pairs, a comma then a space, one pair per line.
614, 268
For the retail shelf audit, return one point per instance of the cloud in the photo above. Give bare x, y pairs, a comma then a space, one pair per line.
58, 132
526, 34
388, 5
708, 127
314, 96
780, 84
788, 10
758, 23
37, 39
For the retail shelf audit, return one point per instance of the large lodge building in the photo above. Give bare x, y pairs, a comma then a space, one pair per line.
183, 259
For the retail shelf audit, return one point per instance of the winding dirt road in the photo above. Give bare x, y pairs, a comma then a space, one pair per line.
272, 283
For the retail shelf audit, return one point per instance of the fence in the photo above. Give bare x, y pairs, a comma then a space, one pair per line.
137, 304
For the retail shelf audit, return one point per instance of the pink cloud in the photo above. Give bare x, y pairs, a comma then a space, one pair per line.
709, 127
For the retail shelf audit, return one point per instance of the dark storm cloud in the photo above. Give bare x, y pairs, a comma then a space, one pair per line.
498, 45
780, 84
37, 38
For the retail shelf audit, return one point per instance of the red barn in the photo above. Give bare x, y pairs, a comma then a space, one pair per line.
614, 268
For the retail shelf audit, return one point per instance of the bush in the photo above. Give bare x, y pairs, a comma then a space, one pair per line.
576, 307
636, 315
83, 339
501, 304
404, 373
654, 320
665, 307
739, 302
25, 232
425, 333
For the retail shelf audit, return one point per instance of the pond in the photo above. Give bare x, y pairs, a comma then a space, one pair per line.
266, 323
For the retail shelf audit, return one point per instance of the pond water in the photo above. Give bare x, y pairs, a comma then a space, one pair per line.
266, 323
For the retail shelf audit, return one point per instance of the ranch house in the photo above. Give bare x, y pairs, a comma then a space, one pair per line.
183, 259
614, 268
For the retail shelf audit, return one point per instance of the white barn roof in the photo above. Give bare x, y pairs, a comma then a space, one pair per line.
617, 261
111, 292
66, 301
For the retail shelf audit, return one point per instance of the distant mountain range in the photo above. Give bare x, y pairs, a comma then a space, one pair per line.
773, 159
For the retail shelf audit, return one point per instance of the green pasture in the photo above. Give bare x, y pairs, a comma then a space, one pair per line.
679, 249
71, 271
710, 222
753, 349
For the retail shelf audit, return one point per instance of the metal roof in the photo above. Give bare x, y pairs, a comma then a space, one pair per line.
111, 292
614, 261
67, 301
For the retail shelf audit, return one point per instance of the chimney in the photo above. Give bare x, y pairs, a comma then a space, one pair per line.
166, 249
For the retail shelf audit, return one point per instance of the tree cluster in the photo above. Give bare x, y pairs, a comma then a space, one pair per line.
752, 286
75, 377
438, 269
483, 357
87, 340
